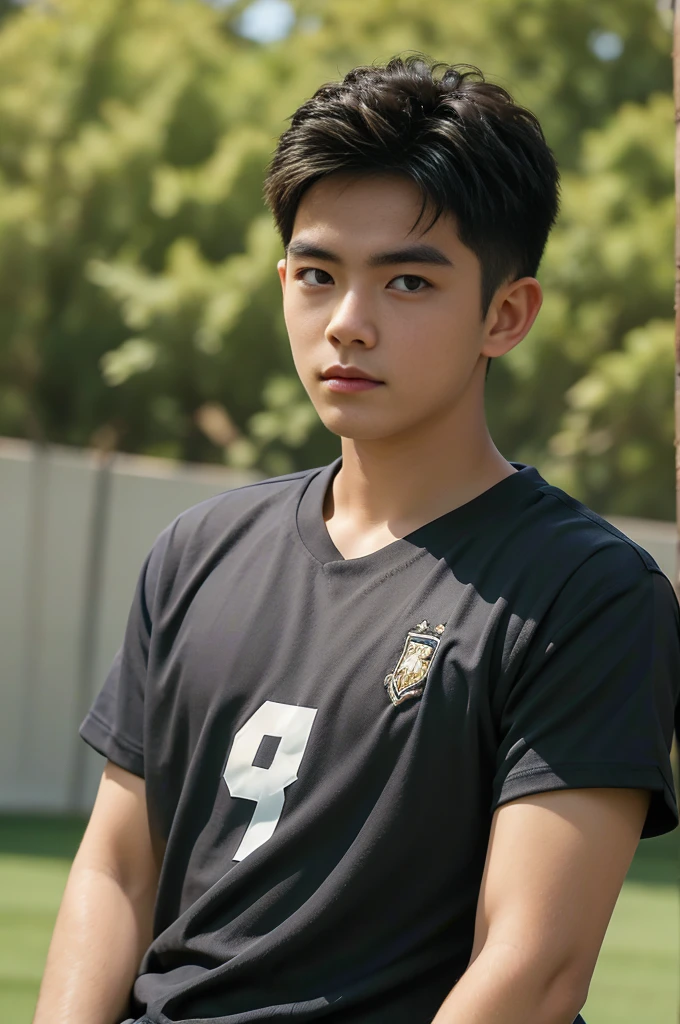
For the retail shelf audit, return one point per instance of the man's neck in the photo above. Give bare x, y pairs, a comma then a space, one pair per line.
386, 489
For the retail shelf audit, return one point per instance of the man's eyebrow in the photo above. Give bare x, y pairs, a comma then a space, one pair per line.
309, 251
417, 253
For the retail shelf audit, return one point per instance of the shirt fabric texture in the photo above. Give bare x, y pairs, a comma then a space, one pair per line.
325, 846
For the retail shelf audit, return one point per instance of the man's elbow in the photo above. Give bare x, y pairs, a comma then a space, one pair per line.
550, 986
563, 987
564, 998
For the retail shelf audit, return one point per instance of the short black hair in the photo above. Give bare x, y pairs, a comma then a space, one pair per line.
470, 149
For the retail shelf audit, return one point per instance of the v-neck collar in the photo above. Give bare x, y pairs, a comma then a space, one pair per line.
436, 536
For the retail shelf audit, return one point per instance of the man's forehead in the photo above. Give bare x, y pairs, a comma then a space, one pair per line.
348, 186
341, 193
369, 216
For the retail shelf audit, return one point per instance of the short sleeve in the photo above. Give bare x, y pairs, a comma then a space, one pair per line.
114, 726
593, 701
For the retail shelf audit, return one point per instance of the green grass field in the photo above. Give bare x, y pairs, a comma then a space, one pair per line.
637, 980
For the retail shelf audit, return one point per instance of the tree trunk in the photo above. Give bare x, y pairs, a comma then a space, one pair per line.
676, 95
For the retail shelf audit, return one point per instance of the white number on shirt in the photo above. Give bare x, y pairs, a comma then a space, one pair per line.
266, 785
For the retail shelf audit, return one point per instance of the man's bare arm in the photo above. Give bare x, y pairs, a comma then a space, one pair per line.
554, 869
104, 924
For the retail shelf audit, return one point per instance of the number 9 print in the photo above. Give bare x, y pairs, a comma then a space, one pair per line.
247, 781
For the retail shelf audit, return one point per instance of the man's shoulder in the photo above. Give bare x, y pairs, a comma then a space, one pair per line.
576, 534
250, 498
204, 527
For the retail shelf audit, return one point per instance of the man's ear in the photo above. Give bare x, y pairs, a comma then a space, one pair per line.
513, 310
281, 267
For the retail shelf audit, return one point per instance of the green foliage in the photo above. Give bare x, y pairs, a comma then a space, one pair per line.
139, 306
136, 259
614, 436
608, 276
541, 50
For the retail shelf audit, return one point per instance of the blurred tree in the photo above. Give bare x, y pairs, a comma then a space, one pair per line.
8, 7
573, 62
608, 274
137, 277
614, 437
138, 301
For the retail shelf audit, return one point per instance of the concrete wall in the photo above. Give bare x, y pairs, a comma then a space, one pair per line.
74, 533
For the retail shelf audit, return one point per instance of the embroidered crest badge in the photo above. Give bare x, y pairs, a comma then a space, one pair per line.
410, 675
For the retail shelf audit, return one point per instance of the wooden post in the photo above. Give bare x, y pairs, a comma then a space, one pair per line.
676, 94
676, 97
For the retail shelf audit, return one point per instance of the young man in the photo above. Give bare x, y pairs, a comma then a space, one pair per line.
382, 737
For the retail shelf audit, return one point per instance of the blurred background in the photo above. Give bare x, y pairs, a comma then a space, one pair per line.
144, 363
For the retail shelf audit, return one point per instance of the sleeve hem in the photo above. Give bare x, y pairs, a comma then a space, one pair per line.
97, 734
663, 811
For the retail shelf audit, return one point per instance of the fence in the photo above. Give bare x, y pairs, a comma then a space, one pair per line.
75, 530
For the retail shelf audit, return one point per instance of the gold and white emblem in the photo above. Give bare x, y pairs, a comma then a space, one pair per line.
410, 675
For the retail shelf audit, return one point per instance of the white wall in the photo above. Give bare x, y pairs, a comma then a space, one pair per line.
74, 531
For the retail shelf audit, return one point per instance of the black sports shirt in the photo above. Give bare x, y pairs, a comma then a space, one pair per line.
324, 740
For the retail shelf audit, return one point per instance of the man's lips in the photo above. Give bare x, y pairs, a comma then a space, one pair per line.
344, 379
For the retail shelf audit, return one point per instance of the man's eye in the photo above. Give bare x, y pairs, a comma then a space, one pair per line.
409, 283
314, 276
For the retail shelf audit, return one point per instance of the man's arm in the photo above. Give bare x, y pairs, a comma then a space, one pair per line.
555, 865
105, 921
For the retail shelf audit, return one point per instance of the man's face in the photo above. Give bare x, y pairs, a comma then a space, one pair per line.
366, 292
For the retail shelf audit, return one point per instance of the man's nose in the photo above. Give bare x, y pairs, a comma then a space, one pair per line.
352, 322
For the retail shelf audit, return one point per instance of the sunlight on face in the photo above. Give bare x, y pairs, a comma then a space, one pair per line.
365, 291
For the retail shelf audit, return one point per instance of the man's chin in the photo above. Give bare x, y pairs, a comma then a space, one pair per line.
350, 430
